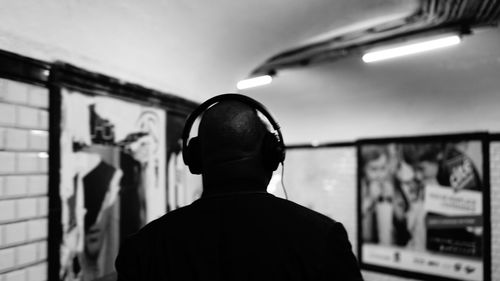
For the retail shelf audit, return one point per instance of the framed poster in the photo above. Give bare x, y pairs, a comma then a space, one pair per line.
109, 176
423, 207
113, 160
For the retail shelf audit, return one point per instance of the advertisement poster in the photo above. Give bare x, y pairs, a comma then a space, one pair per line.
421, 207
113, 164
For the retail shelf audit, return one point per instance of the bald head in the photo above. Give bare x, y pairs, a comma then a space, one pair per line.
230, 131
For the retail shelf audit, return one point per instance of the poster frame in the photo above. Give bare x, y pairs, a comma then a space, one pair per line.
484, 138
67, 76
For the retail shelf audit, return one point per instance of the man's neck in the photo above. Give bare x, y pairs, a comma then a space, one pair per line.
220, 185
235, 177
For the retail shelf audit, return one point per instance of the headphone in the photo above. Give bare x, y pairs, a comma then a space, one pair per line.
273, 147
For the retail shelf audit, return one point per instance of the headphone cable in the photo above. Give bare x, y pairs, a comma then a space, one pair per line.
283, 179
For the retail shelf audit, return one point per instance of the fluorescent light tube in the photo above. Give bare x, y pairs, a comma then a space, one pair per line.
254, 82
411, 49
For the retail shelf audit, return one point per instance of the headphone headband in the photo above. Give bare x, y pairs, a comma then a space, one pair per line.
233, 97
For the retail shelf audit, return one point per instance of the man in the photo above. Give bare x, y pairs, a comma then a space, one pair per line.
236, 230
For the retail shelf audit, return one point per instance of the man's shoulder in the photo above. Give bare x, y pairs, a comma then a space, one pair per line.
304, 211
158, 226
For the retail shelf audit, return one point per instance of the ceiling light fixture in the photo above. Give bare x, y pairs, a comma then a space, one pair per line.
254, 82
411, 49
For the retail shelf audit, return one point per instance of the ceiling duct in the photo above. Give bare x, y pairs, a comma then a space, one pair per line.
432, 17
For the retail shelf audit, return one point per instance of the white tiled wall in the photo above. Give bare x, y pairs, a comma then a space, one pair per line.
7, 162
23, 181
7, 259
15, 185
7, 114
37, 185
7, 210
16, 139
15, 233
28, 117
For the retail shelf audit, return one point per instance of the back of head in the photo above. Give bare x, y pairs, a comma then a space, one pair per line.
231, 137
230, 131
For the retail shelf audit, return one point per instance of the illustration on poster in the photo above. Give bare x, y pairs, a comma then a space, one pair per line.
112, 152
424, 201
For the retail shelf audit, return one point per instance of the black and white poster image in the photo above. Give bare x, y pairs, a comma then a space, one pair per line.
113, 160
183, 187
421, 207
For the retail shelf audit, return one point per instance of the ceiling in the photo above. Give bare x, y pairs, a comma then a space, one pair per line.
446, 91
429, 18
192, 48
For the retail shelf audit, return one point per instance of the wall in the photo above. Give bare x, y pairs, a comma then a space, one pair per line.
23, 181
324, 180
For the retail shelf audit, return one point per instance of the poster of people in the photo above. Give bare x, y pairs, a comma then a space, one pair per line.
421, 207
112, 179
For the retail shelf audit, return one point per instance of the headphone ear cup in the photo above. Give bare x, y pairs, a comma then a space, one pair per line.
193, 156
272, 150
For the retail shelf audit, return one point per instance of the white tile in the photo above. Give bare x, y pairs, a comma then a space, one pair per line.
7, 162
26, 208
26, 253
2, 186
2, 138
38, 185
7, 114
16, 139
37, 272
18, 275
37, 229
1, 235
17, 92
42, 250
42, 206
15, 233
7, 258
3, 92
15, 185
38, 96
27, 162
43, 120
7, 210
27, 117
43, 162
38, 140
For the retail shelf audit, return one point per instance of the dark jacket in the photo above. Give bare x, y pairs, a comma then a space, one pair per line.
241, 236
